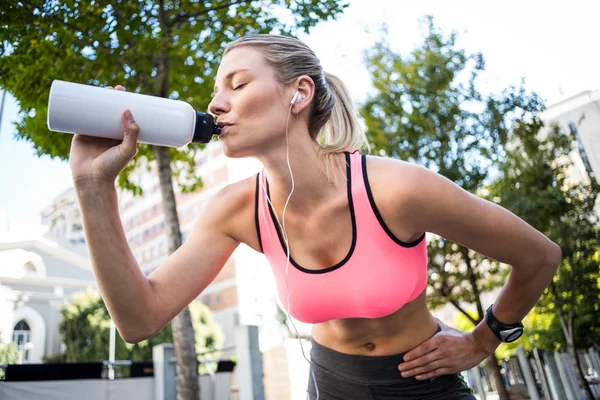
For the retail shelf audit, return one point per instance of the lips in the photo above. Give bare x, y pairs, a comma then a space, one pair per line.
224, 126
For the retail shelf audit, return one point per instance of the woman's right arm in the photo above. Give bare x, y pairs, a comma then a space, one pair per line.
141, 306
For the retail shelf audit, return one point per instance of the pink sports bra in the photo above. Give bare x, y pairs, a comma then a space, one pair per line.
379, 275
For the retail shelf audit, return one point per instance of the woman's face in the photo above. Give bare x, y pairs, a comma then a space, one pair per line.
250, 102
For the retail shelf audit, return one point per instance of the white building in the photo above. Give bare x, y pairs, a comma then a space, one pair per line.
37, 276
580, 116
63, 218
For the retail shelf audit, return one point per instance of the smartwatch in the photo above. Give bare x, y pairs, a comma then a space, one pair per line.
505, 332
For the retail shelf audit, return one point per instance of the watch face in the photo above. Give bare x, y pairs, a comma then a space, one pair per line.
510, 335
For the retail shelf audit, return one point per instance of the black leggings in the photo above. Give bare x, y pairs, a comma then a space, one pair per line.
342, 376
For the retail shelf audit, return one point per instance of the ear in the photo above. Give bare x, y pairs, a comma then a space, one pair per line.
306, 87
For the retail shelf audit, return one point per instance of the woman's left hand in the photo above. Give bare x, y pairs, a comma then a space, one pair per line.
447, 352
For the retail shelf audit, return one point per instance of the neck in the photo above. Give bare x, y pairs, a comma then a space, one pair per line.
311, 182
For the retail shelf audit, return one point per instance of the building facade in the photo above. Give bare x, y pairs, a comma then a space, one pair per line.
37, 277
63, 218
579, 115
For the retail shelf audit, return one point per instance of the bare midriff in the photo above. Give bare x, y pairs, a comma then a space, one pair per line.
396, 333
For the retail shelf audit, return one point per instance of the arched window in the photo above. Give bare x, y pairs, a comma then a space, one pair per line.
29, 268
21, 336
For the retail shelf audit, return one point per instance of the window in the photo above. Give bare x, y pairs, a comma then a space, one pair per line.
29, 269
582, 153
22, 337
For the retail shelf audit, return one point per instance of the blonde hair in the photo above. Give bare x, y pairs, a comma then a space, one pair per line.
333, 122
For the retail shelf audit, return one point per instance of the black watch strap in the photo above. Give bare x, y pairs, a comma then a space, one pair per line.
505, 332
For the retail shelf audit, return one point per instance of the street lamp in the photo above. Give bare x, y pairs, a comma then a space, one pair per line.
111, 351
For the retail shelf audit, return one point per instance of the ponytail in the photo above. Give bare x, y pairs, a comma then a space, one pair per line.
342, 130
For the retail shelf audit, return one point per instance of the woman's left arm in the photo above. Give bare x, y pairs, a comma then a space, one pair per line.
432, 203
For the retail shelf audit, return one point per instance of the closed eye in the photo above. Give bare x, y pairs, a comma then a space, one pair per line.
240, 86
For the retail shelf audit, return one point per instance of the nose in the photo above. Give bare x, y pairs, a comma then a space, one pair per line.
219, 105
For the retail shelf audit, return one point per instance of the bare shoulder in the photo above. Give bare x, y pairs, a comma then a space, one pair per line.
395, 180
393, 184
385, 168
232, 208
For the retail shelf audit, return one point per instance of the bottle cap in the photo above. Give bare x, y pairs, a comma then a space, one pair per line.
205, 128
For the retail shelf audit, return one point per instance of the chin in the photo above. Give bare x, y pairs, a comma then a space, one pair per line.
231, 150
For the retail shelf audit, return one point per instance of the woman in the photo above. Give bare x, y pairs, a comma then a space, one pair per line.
357, 261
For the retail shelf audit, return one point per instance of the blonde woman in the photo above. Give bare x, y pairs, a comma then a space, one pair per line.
344, 233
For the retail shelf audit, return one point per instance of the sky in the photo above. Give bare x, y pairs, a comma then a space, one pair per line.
553, 45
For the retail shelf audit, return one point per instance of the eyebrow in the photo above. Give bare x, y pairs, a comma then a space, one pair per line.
229, 76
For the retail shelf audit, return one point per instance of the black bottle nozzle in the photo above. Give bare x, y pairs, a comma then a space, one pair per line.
205, 128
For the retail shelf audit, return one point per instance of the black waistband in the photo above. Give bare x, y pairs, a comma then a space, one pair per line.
365, 369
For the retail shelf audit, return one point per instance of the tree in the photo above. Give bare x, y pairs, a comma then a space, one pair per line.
85, 332
536, 183
426, 109
9, 354
165, 48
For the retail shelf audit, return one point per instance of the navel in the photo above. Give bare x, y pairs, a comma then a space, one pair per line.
370, 346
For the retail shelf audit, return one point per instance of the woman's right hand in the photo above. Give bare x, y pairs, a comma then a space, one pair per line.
94, 160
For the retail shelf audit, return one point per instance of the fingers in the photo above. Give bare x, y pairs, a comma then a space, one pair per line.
423, 359
118, 87
425, 366
409, 368
428, 369
131, 130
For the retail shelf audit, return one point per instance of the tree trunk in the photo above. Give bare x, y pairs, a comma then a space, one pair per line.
494, 371
492, 363
183, 331
568, 327
572, 353
188, 387
583, 384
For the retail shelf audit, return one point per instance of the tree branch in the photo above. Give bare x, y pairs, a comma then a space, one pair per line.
464, 312
472, 279
161, 14
119, 16
186, 17
446, 292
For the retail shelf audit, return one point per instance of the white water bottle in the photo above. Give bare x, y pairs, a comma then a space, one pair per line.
95, 111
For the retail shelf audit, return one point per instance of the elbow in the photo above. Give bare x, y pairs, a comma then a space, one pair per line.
135, 337
553, 257
135, 334
132, 338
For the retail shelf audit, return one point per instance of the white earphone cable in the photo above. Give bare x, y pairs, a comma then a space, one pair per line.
287, 245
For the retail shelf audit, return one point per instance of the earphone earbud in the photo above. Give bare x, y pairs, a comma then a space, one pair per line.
297, 96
